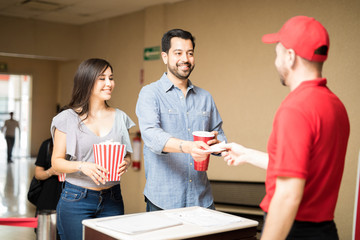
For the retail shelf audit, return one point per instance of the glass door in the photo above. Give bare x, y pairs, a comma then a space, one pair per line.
15, 96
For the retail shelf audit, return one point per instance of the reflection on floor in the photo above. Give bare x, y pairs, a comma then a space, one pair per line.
14, 183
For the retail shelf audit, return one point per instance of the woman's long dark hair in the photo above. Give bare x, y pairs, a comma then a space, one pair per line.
84, 80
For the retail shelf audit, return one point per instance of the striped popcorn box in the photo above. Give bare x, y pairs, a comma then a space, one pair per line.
61, 177
110, 155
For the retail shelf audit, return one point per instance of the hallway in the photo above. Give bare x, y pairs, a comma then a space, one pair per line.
14, 183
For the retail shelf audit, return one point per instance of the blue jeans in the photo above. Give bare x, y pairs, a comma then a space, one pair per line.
150, 207
77, 203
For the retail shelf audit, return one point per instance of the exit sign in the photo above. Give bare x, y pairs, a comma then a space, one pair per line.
152, 53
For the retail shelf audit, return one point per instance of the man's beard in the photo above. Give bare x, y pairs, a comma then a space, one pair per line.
181, 74
283, 73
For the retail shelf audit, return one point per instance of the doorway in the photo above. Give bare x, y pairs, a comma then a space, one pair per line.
15, 96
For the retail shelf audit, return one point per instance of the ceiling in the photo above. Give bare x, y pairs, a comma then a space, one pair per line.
75, 12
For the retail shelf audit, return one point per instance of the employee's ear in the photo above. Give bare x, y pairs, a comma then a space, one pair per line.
164, 57
291, 57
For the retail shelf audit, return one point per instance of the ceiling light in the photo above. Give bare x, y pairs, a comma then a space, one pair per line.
40, 5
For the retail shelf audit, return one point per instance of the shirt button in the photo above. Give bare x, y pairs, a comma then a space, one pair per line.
190, 180
188, 129
190, 164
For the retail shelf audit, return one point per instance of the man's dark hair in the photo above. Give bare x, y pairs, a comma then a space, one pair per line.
323, 50
166, 39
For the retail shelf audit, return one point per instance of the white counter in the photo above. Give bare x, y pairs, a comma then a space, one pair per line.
184, 223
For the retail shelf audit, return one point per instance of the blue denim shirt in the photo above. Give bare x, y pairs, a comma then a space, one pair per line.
163, 112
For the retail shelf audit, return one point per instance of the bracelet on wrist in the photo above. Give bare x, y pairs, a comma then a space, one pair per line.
80, 166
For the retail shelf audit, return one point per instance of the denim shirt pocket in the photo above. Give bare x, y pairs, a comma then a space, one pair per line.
171, 121
201, 121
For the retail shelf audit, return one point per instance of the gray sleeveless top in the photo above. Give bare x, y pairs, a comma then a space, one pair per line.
80, 140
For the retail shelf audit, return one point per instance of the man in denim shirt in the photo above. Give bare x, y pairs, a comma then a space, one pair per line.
169, 110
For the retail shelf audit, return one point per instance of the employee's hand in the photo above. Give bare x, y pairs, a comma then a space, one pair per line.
124, 165
235, 154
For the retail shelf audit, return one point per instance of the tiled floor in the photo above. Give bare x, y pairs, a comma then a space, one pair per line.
14, 183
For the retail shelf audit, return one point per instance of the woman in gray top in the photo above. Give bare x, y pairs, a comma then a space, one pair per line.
88, 120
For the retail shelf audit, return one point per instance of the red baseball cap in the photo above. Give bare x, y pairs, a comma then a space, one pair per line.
306, 36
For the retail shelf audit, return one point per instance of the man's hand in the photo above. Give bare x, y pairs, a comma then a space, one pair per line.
235, 154
196, 149
214, 140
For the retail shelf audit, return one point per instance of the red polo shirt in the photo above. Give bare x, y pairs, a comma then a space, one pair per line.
309, 141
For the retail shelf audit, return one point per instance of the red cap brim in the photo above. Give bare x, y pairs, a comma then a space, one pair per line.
271, 38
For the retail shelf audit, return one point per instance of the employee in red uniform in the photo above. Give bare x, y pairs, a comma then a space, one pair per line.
307, 146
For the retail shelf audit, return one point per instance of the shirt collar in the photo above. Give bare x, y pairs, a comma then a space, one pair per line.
315, 82
167, 85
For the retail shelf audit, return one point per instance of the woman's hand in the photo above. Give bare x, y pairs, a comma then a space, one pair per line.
52, 172
96, 172
124, 165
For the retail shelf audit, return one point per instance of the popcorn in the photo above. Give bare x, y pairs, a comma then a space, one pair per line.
110, 155
61, 177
